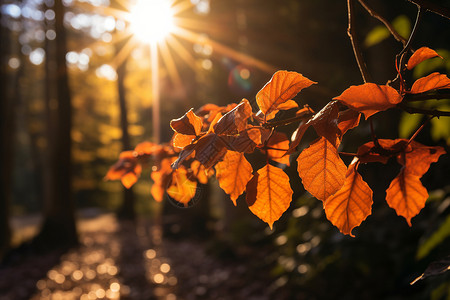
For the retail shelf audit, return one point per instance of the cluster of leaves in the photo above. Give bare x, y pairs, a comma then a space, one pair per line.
215, 141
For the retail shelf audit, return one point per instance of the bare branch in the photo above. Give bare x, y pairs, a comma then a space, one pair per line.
423, 111
437, 9
356, 49
388, 25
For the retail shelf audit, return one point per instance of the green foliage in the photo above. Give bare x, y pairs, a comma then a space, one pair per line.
401, 24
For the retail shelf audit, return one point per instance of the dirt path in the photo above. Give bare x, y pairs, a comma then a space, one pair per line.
122, 261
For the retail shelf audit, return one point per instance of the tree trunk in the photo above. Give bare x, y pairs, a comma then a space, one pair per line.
6, 150
59, 227
126, 211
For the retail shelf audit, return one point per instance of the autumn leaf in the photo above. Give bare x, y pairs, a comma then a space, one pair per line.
321, 169
161, 178
370, 98
210, 149
419, 159
235, 120
269, 194
386, 148
181, 188
406, 195
298, 135
351, 205
276, 148
233, 174
421, 55
189, 124
325, 122
145, 148
281, 88
347, 120
200, 172
127, 169
434, 81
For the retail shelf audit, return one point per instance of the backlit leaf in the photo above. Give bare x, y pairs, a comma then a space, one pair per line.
145, 148
210, 149
325, 122
283, 86
347, 120
277, 145
419, 159
351, 205
182, 140
233, 174
406, 195
421, 55
321, 169
235, 120
189, 124
182, 189
161, 179
269, 194
434, 81
370, 98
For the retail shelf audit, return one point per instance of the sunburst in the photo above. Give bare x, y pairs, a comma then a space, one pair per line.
160, 24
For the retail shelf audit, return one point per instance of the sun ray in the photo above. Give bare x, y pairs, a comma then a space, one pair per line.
194, 37
181, 7
170, 64
124, 52
181, 51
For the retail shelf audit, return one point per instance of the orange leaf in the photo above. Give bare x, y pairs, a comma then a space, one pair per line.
347, 120
189, 124
233, 174
298, 135
369, 152
434, 81
161, 179
182, 189
406, 195
370, 98
321, 169
235, 120
420, 55
283, 86
210, 149
200, 172
277, 145
351, 205
269, 194
145, 148
283, 106
325, 122
418, 160
126, 168
182, 140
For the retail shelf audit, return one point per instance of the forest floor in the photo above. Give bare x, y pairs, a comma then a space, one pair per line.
122, 260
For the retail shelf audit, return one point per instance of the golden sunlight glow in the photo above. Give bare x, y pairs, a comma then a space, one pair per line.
152, 20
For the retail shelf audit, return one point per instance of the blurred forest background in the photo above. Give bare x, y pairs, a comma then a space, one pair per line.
76, 90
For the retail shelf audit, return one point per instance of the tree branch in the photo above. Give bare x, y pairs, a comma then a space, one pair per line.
437, 9
423, 111
388, 25
422, 97
356, 49
288, 121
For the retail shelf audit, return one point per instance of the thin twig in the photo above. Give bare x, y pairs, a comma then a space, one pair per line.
356, 49
422, 97
388, 25
411, 37
420, 129
429, 112
437, 9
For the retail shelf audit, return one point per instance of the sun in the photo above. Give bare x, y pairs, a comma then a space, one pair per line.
151, 21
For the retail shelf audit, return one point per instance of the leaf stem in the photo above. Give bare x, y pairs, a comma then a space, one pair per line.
419, 130
410, 39
388, 25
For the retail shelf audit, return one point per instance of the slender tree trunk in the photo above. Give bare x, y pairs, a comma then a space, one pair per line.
6, 150
59, 227
126, 211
